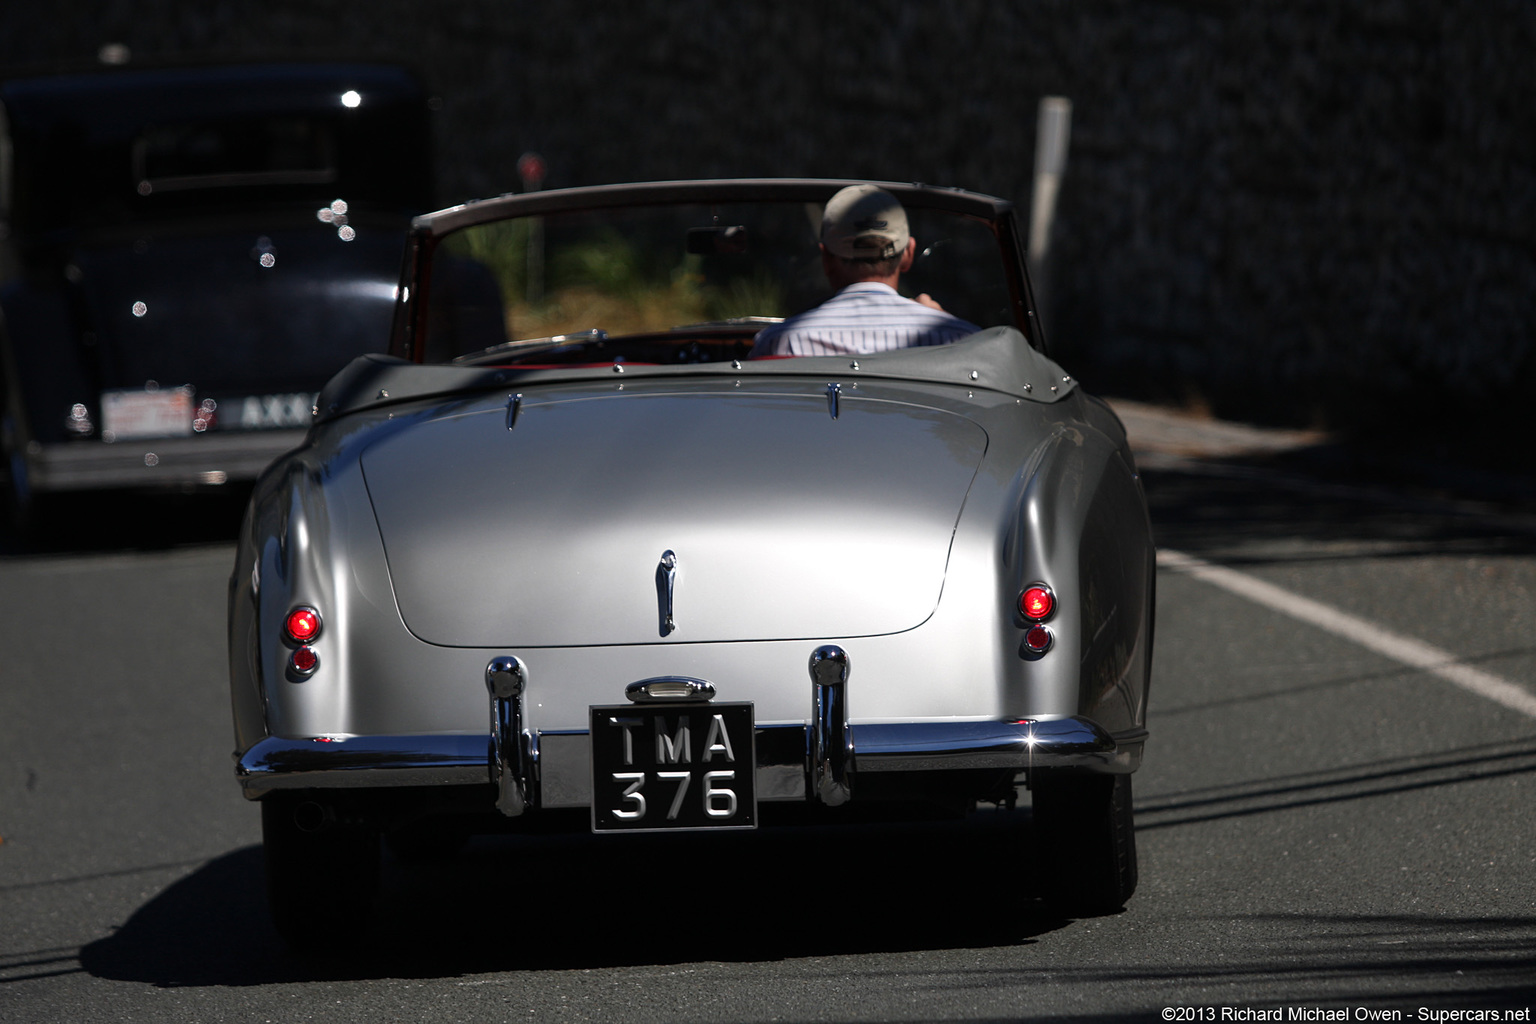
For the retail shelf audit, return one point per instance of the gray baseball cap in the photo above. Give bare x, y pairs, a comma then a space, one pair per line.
864, 222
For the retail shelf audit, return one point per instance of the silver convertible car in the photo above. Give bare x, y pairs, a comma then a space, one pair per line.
569, 557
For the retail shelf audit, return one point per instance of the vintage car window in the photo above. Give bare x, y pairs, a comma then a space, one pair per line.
230, 152
193, 251
673, 269
133, 146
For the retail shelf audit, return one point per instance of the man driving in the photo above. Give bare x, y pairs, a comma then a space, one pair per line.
865, 248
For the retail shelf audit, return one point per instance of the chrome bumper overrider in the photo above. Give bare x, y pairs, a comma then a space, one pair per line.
559, 766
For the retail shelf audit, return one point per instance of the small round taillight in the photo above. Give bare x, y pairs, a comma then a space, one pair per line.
302, 625
1037, 602
1038, 639
303, 662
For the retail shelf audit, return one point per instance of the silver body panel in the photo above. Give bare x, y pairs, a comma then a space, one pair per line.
601, 483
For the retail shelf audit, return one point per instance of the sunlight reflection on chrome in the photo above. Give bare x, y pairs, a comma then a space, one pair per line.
1029, 740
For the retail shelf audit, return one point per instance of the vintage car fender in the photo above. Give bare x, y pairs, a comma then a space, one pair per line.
1082, 526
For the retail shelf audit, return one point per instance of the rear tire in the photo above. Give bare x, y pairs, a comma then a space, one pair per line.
1086, 839
322, 873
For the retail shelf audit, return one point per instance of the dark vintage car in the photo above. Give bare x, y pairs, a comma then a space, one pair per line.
569, 556
186, 255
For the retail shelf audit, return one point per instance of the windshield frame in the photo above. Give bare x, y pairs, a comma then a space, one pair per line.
429, 230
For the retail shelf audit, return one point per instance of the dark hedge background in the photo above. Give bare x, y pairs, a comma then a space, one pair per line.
1292, 211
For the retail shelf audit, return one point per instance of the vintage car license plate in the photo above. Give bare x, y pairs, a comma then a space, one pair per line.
673, 766
131, 414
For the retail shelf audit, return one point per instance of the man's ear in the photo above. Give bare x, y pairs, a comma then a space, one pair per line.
909, 256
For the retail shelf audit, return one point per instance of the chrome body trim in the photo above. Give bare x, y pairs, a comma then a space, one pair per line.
670, 688
507, 679
831, 741
564, 766
834, 391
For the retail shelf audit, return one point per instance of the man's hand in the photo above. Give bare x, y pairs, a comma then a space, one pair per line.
927, 300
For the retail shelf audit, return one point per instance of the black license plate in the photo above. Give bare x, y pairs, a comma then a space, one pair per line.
661, 767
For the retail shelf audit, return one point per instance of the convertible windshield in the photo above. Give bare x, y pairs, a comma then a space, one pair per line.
671, 283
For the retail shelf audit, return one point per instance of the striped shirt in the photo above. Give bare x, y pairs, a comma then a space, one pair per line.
864, 317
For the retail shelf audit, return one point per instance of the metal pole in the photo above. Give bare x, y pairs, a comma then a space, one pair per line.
530, 167
1052, 133
1052, 129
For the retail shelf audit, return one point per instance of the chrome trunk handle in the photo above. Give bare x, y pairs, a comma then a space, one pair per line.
666, 587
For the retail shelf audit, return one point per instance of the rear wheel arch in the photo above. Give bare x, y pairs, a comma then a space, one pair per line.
1082, 528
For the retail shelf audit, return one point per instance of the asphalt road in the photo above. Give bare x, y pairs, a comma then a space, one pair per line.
1320, 824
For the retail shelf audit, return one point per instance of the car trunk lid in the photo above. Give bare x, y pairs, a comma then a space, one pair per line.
783, 521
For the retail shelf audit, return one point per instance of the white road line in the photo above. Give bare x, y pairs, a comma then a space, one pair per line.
1411, 652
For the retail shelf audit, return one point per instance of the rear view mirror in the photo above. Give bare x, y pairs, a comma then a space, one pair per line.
718, 240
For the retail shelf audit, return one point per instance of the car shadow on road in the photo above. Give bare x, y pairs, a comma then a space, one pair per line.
574, 903
566, 902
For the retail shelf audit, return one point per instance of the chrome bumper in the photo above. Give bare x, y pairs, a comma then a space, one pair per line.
559, 763
208, 459
364, 761
1017, 743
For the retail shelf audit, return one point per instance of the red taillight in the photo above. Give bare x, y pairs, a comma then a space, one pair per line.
303, 625
304, 661
1037, 602
1038, 639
